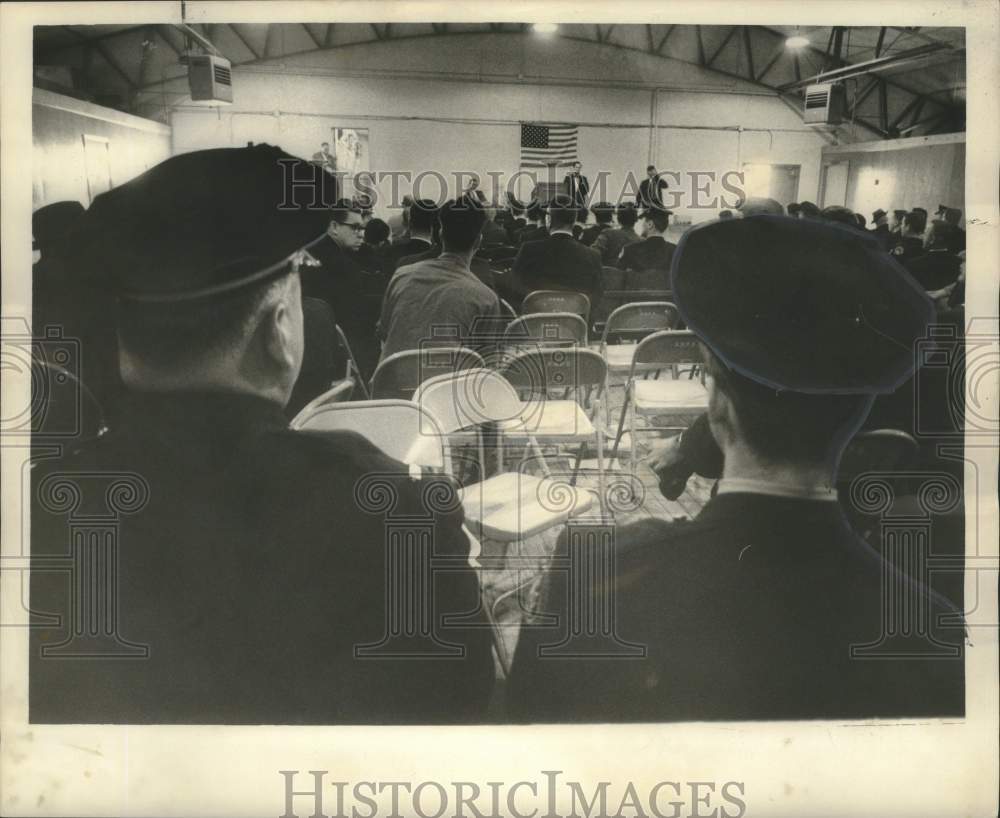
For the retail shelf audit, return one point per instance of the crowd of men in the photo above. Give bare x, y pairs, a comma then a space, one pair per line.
254, 569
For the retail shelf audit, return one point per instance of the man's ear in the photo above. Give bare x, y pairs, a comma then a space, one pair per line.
281, 328
721, 413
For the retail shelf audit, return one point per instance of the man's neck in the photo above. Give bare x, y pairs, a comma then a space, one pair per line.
463, 256
743, 465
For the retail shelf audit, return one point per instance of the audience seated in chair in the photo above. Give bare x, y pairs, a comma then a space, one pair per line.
603, 214
654, 252
556, 262
609, 243
436, 302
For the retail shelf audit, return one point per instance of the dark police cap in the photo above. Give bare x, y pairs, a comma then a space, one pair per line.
53, 223
800, 305
206, 222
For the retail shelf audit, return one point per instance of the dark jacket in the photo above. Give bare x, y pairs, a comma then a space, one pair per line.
251, 563
649, 193
611, 242
557, 262
652, 253
591, 233
935, 269
906, 248
747, 613
577, 187
410, 247
354, 295
532, 232
884, 237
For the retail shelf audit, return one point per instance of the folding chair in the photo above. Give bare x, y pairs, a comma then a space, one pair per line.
546, 329
340, 392
411, 434
509, 506
676, 397
612, 286
631, 323
557, 301
876, 450
399, 375
579, 375
352, 371
394, 426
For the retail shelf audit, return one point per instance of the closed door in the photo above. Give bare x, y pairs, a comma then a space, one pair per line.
835, 184
97, 161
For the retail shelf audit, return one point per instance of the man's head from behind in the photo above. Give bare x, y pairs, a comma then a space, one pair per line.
627, 215
535, 212
249, 340
423, 215
562, 212
805, 321
203, 252
462, 222
347, 225
655, 221
603, 212
651, 171
915, 222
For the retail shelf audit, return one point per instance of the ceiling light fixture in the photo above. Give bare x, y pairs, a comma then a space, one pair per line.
545, 28
797, 42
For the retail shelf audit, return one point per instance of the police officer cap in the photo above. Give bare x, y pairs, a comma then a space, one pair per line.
206, 222
52, 223
799, 305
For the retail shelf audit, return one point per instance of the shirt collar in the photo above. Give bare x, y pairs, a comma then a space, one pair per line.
737, 485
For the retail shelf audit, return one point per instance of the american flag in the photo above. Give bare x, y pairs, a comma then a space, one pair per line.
546, 145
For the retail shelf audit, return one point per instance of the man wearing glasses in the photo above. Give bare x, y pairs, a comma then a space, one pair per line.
353, 293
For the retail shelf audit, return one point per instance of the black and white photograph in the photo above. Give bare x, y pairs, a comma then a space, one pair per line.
519, 385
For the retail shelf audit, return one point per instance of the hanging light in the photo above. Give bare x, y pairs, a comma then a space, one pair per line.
545, 28
796, 41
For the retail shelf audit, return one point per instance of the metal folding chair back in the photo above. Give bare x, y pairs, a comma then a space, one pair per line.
399, 375
397, 427
352, 371
876, 450
557, 301
540, 371
547, 329
472, 397
639, 319
340, 392
668, 348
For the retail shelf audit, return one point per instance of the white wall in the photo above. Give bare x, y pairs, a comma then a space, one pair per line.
58, 126
454, 104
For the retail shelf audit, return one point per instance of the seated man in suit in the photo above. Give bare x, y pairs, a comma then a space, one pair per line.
767, 606
353, 293
610, 243
654, 252
422, 218
938, 267
440, 296
535, 228
557, 262
910, 243
243, 549
603, 214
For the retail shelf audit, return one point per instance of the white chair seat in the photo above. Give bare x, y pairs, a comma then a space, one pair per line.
670, 397
619, 356
562, 420
514, 506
